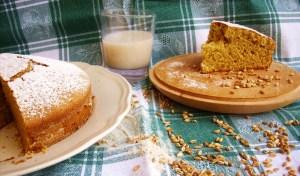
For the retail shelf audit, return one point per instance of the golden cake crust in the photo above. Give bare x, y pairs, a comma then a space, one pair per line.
58, 128
49, 99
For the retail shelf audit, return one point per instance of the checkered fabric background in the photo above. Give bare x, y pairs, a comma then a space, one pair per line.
69, 30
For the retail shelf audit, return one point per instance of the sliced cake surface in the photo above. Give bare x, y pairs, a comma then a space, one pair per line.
5, 115
235, 47
49, 99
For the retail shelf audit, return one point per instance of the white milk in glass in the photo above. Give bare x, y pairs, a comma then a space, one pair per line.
127, 49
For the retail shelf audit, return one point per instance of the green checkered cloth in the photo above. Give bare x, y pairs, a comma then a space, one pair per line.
70, 30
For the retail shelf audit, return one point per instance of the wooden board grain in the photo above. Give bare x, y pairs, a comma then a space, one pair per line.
218, 99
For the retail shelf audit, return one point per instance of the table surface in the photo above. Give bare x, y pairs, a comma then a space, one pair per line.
70, 31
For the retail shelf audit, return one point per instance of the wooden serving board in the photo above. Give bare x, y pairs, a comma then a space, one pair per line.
243, 92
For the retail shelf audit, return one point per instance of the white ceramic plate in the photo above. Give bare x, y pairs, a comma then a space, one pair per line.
112, 102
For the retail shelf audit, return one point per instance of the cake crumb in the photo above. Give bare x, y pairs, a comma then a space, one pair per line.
136, 168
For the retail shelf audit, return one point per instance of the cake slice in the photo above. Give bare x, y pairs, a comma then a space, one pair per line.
49, 99
235, 47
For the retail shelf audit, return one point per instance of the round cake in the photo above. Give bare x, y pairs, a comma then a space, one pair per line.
49, 99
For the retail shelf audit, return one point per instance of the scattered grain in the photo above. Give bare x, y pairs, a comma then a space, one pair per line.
290, 81
184, 169
292, 74
193, 141
218, 131
292, 122
180, 154
236, 87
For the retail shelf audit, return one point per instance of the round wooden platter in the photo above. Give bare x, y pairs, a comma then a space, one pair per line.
217, 98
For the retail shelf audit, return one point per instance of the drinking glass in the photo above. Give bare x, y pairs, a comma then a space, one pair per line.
127, 39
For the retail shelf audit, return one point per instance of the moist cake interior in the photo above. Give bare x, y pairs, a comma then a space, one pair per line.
5, 113
235, 47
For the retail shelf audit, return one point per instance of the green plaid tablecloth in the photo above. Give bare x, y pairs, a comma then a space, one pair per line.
70, 30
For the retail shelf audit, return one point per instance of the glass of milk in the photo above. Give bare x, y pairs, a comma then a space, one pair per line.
127, 39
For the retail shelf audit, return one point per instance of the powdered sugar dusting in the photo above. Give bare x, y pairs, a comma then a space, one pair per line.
173, 74
175, 64
193, 83
239, 26
10, 65
43, 88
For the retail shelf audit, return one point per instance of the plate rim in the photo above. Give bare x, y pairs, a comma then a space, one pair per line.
94, 139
